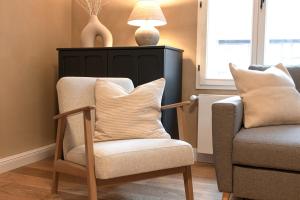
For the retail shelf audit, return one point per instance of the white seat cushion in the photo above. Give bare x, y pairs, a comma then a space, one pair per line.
127, 157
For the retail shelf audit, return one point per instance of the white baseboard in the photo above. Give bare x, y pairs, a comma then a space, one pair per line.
200, 157
25, 158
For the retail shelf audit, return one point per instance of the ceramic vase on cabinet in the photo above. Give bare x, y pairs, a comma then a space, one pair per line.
93, 29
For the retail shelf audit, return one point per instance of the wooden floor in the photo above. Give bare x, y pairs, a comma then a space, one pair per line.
32, 182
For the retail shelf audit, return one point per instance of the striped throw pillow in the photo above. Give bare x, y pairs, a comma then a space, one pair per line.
123, 115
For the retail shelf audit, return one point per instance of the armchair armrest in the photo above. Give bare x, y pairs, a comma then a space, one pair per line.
175, 105
72, 112
227, 118
180, 115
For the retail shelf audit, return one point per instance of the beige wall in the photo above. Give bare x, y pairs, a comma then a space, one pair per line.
180, 32
30, 31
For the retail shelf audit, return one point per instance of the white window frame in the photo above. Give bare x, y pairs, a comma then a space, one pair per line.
257, 46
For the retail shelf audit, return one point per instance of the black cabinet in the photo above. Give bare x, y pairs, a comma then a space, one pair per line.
140, 64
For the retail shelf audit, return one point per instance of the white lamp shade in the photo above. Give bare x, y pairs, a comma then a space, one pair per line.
147, 12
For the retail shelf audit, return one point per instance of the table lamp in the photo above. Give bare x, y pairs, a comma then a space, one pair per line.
147, 14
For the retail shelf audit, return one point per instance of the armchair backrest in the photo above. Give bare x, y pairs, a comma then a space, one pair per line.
294, 71
76, 92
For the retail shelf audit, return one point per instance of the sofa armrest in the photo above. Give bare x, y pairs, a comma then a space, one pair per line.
227, 117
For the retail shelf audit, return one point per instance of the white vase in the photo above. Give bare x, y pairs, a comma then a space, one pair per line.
93, 29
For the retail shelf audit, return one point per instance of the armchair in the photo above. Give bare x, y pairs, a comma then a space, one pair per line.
255, 163
111, 162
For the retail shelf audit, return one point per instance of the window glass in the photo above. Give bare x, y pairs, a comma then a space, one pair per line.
282, 37
229, 36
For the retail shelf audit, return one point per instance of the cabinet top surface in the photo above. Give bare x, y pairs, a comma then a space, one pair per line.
120, 48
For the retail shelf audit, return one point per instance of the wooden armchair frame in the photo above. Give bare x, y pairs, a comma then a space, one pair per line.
88, 171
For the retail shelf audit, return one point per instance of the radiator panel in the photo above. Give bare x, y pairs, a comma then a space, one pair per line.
204, 121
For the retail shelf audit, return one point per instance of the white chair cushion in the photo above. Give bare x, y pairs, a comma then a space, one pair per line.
127, 157
76, 92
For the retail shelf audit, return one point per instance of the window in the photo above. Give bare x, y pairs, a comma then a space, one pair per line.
244, 32
282, 37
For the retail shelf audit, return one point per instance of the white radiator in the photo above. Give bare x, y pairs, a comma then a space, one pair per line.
204, 121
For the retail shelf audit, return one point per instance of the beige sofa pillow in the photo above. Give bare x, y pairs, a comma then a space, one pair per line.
123, 115
269, 97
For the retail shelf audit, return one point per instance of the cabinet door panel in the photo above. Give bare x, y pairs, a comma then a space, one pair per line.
96, 65
72, 66
123, 64
150, 65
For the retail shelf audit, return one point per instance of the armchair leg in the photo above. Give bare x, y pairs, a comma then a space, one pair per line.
92, 188
58, 152
55, 182
188, 184
89, 150
225, 196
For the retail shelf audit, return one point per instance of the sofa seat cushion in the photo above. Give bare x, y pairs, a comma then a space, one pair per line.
127, 157
276, 147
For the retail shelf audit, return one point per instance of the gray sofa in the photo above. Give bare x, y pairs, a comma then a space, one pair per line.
258, 163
